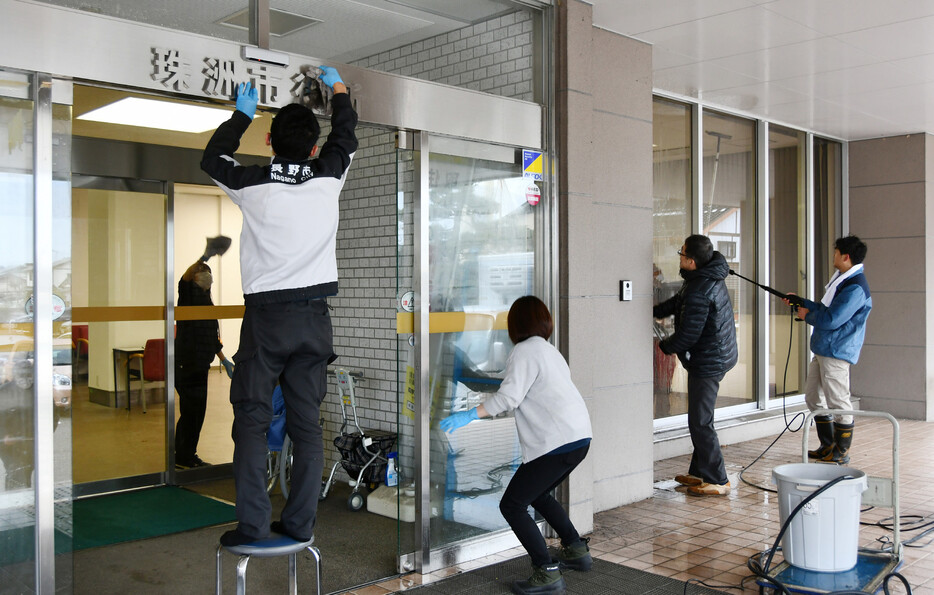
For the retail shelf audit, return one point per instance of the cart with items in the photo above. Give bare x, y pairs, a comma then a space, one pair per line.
364, 452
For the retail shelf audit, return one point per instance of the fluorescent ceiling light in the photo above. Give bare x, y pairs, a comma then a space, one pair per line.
164, 115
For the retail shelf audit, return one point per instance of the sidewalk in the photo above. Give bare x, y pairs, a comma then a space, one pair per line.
711, 538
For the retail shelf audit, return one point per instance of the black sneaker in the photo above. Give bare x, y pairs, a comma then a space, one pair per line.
544, 579
234, 538
575, 556
190, 462
278, 527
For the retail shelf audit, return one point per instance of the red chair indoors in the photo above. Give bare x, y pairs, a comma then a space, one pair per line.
79, 339
79, 349
151, 367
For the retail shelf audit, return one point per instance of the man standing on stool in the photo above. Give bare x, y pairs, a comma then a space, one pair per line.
289, 267
839, 322
705, 341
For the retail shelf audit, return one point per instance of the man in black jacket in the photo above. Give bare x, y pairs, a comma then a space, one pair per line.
288, 268
705, 341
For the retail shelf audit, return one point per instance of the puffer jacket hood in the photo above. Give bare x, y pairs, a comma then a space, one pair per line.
705, 329
717, 269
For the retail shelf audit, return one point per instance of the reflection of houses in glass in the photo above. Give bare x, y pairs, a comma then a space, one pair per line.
16, 287
724, 230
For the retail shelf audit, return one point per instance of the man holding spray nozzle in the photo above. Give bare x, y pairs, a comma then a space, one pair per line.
839, 322
705, 342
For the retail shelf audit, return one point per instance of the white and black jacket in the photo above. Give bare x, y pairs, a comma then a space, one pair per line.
290, 210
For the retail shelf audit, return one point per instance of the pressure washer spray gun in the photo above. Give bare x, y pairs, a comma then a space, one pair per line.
794, 300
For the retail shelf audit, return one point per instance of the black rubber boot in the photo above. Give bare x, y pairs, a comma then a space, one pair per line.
825, 435
575, 556
544, 579
843, 438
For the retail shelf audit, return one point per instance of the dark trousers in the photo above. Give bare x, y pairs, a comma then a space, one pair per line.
191, 384
292, 343
532, 484
707, 460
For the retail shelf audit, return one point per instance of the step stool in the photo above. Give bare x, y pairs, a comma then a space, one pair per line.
274, 545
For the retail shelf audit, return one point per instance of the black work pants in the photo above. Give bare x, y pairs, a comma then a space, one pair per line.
293, 343
707, 460
191, 384
533, 484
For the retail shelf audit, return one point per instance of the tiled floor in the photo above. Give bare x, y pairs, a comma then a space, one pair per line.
711, 538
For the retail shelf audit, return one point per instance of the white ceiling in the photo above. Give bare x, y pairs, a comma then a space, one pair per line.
851, 69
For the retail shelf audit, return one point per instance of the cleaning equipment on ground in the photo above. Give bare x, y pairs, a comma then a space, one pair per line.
392, 479
873, 568
364, 453
825, 534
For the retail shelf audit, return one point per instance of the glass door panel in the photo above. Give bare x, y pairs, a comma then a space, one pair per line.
118, 281
482, 257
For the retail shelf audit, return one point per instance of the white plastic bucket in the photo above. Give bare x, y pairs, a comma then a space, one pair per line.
824, 535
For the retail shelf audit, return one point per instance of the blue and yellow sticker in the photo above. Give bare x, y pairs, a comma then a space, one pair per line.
532, 165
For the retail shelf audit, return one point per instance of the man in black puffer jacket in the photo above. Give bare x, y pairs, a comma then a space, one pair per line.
705, 341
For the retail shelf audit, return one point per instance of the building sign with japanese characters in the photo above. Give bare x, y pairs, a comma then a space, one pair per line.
216, 77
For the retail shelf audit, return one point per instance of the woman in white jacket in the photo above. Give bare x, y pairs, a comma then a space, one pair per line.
554, 432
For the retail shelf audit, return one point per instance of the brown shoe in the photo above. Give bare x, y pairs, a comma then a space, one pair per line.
709, 489
688, 480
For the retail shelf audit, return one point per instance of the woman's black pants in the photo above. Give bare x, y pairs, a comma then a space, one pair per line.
532, 485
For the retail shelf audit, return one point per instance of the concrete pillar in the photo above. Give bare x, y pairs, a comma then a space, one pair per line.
604, 102
891, 209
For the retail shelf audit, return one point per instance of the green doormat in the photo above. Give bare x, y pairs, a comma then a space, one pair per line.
142, 514
19, 544
603, 579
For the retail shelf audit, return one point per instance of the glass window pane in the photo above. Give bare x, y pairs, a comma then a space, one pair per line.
671, 221
16, 326
729, 220
787, 259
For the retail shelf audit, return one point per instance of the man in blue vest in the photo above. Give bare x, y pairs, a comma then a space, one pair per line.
839, 322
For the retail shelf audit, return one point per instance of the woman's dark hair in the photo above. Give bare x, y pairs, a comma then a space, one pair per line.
529, 317
853, 247
294, 132
698, 248
197, 267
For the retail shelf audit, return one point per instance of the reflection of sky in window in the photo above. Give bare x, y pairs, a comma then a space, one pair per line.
16, 225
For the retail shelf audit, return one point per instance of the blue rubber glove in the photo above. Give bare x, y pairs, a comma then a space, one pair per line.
329, 76
458, 420
247, 98
228, 365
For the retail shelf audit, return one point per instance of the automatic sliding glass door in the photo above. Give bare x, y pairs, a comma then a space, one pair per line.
482, 251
